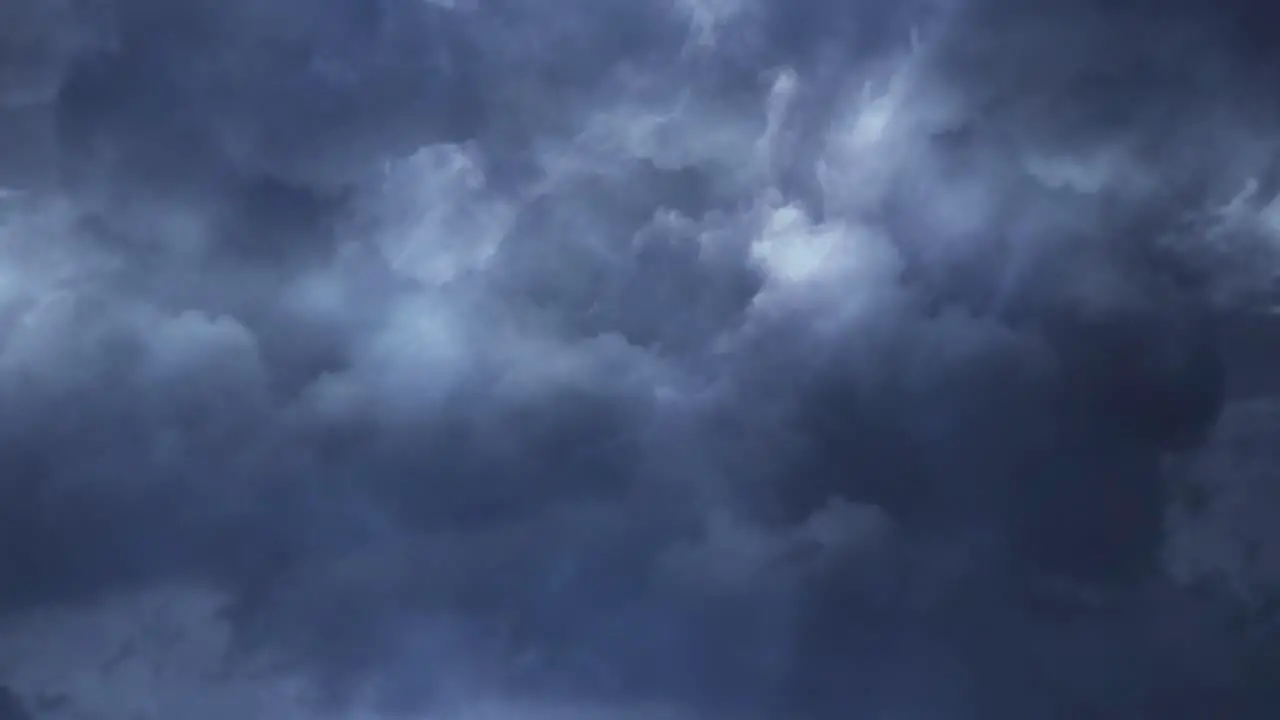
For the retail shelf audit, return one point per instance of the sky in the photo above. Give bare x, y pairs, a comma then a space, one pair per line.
661, 359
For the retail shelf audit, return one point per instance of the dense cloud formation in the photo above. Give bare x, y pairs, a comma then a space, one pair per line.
668, 359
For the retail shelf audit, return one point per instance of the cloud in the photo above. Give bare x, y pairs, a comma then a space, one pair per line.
691, 359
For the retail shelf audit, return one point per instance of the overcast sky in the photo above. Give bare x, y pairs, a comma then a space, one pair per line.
489, 359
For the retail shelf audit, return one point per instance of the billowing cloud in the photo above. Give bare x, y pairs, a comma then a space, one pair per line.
711, 358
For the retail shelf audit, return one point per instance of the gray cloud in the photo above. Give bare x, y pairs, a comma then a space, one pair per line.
738, 358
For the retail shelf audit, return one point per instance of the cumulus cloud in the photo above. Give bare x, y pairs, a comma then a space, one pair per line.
609, 359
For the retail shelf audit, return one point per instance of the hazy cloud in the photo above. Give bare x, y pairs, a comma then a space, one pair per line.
609, 359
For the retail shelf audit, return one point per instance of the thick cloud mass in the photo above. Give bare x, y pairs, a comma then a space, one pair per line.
668, 359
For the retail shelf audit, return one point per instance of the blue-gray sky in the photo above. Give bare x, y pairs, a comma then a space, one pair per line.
604, 358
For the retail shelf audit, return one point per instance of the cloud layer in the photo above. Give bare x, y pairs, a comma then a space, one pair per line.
713, 358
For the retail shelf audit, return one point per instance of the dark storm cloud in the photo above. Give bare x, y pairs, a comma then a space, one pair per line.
743, 357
